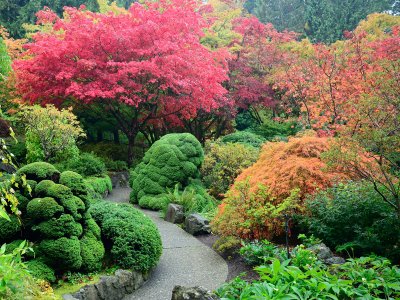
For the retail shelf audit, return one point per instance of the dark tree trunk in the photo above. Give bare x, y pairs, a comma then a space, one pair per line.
116, 136
99, 135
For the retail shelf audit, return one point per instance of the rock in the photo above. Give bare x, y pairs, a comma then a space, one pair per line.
196, 225
192, 293
120, 179
110, 287
335, 260
321, 251
175, 214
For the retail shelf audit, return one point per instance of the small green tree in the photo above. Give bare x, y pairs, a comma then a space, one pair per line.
51, 134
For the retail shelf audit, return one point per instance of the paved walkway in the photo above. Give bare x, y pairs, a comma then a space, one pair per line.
185, 260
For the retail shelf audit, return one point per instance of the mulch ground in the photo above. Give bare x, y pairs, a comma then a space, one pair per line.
236, 264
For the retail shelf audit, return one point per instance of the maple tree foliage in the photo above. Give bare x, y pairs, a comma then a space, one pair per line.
142, 66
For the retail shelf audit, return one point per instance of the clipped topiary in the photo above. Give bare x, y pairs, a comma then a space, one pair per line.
62, 254
40, 209
42, 187
57, 219
40, 270
38, 171
55, 228
92, 252
9, 229
132, 236
174, 159
74, 181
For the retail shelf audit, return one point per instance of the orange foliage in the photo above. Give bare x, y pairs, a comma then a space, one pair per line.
296, 164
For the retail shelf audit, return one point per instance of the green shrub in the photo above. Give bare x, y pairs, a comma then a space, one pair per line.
159, 202
42, 187
92, 227
22, 202
194, 198
116, 165
244, 137
134, 239
10, 247
40, 209
100, 185
32, 184
38, 171
223, 163
87, 164
108, 151
55, 228
271, 129
40, 270
353, 214
74, 181
257, 253
9, 229
173, 159
61, 254
363, 278
92, 252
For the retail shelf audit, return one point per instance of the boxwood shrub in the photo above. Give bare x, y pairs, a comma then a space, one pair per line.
40, 270
131, 236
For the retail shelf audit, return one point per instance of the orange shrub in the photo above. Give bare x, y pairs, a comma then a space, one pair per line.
278, 181
296, 164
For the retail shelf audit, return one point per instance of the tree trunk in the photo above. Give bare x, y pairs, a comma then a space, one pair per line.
99, 135
116, 136
131, 144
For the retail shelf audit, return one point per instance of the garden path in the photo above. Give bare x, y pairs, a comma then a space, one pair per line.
185, 260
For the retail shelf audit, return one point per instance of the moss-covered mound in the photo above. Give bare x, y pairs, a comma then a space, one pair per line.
131, 236
57, 220
174, 159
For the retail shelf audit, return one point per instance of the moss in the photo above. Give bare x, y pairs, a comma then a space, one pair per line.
9, 229
134, 238
54, 228
42, 187
40, 270
174, 159
40, 209
92, 252
61, 254
39, 170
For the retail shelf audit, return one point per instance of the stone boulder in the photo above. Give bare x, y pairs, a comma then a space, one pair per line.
196, 225
325, 255
192, 293
335, 260
175, 214
115, 287
322, 251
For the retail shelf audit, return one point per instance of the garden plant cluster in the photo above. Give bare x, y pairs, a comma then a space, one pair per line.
287, 142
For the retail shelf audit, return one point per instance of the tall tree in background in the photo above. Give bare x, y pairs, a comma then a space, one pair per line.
327, 20
15, 13
144, 66
283, 14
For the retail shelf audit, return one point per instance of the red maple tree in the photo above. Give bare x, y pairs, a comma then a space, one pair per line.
142, 66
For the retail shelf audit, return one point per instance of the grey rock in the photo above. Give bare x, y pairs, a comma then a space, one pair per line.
336, 260
322, 251
175, 214
192, 293
196, 225
110, 287
119, 179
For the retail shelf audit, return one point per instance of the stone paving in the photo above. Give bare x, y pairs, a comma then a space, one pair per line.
185, 260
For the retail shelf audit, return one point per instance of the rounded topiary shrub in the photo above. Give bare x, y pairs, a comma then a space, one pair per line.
131, 236
57, 220
43, 208
62, 254
173, 159
87, 164
40, 270
38, 171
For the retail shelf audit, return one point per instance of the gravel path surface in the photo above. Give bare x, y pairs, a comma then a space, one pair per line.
185, 260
